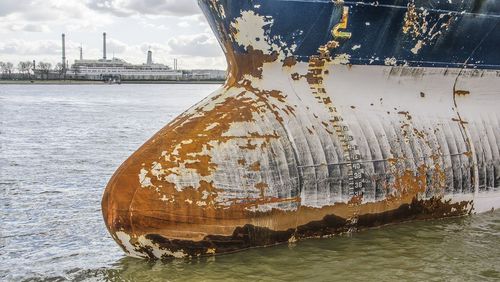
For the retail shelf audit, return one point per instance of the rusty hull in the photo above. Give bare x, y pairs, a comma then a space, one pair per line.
288, 150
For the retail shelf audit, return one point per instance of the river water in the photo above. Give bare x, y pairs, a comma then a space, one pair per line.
60, 144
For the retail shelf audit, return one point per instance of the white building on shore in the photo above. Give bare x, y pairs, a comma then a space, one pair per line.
118, 69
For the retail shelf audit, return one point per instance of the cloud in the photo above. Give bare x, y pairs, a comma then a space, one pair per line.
200, 45
124, 8
155, 47
10, 6
23, 47
184, 24
202, 63
116, 46
31, 29
43, 15
28, 27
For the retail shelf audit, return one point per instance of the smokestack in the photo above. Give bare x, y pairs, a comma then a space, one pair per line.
150, 58
81, 53
104, 45
63, 51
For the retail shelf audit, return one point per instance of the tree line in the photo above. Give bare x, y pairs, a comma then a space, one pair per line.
26, 69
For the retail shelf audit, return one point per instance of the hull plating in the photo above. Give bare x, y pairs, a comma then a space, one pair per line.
302, 143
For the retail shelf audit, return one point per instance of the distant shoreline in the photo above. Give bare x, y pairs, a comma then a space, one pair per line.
94, 82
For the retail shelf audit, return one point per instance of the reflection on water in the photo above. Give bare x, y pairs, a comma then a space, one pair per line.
60, 145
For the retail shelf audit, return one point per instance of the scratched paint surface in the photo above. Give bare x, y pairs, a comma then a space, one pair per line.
305, 140
414, 32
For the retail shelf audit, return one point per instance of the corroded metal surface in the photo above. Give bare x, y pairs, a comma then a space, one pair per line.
295, 147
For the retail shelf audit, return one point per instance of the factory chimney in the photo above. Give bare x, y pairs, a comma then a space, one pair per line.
104, 46
81, 53
150, 58
63, 52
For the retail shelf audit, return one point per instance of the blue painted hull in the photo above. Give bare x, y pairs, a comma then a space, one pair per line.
458, 34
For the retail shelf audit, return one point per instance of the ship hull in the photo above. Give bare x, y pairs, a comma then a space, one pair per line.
308, 142
425, 33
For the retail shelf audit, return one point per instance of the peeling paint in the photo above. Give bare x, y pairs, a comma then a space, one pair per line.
390, 61
295, 147
423, 27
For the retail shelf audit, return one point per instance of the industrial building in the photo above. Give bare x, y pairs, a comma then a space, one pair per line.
116, 69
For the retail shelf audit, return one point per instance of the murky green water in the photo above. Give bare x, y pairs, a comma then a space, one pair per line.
447, 250
59, 145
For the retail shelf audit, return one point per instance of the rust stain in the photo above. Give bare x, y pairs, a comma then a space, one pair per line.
331, 220
424, 27
248, 146
406, 114
289, 62
255, 166
249, 63
462, 92
409, 183
392, 161
413, 21
262, 187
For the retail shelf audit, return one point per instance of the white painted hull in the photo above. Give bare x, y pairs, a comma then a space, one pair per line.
314, 134
366, 144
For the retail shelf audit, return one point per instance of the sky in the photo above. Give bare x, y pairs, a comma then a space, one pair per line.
31, 30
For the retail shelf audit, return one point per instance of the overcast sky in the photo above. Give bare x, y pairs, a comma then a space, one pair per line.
31, 29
